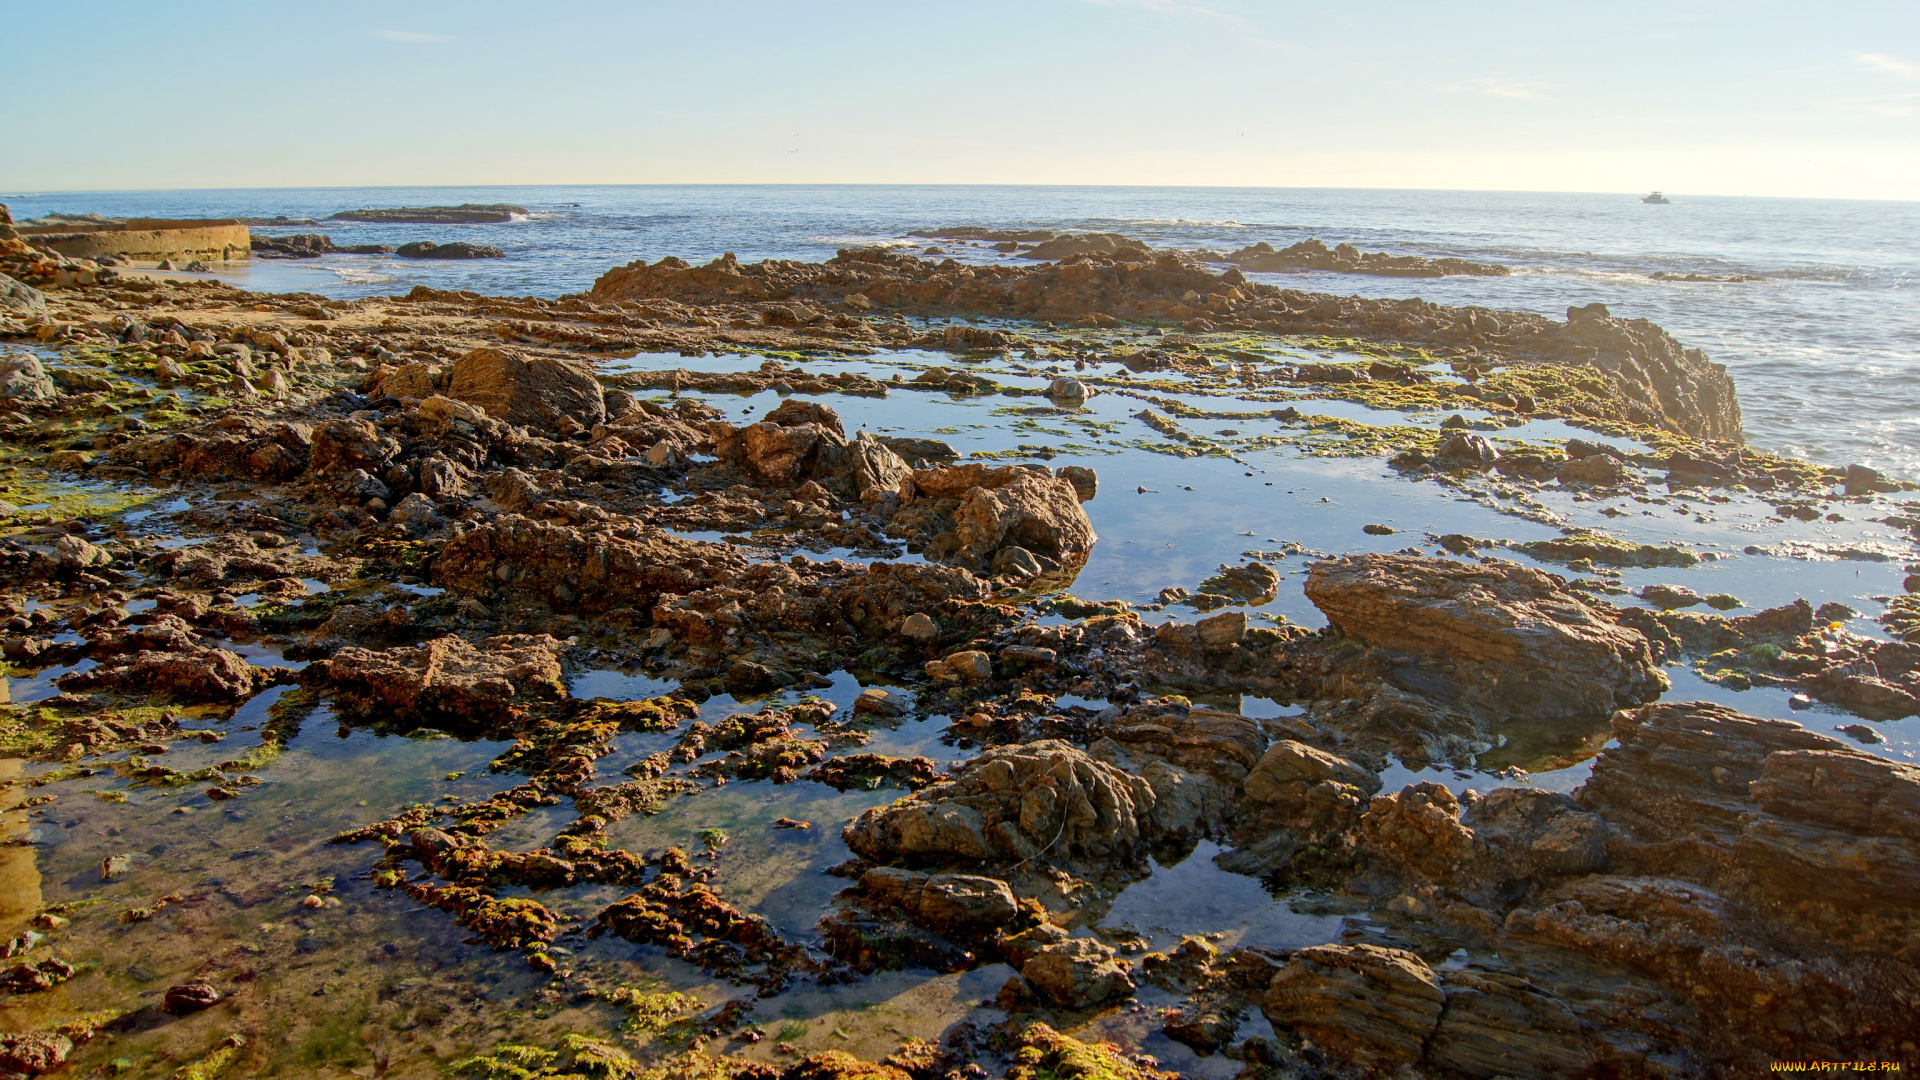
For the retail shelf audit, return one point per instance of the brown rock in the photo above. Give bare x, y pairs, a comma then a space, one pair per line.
1417, 830
1078, 973
444, 679
34, 1053
1369, 1004
1040, 800
537, 392
1513, 641
190, 998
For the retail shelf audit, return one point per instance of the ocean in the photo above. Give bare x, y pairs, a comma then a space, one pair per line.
1824, 347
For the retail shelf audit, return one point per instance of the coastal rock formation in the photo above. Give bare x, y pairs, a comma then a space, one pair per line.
1650, 378
446, 679
1494, 636
1347, 259
536, 391
1371, 1005
590, 569
458, 249
1040, 800
1770, 812
311, 246
18, 297
464, 214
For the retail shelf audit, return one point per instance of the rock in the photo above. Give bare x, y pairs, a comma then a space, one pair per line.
1014, 803
1085, 483
875, 701
447, 678
1016, 562
1529, 833
189, 673
1861, 480
1078, 973
1668, 597
588, 568
1417, 830
921, 450
1200, 740
464, 214
459, 249
114, 867
1468, 451
537, 392
22, 378
1067, 391
919, 626
415, 511
971, 665
1030, 655
1371, 1005
190, 998
1223, 630
1771, 809
73, 553
1063, 247
18, 296
1507, 639
1498, 1025
34, 1053
960, 904
1031, 510
1313, 789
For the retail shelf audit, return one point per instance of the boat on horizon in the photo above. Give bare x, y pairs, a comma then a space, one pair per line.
1656, 197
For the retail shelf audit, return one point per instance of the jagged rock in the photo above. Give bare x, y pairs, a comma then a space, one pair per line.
33, 1053
1041, 800
1498, 1025
1086, 484
1078, 973
966, 904
1467, 450
1508, 640
1225, 745
1667, 597
446, 679
232, 447
1417, 830
1769, 811
588, 569
1528, 832
1310, 788
23, 378
803, 440
1028, 509
19, 296
1368, 1004
538, 392
188, 672
341, 446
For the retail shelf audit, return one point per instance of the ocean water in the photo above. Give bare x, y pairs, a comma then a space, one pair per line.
1825, 348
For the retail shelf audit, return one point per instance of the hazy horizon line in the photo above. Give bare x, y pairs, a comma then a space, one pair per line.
936, 184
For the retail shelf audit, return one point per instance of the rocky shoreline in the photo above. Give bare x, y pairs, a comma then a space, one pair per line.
237, 520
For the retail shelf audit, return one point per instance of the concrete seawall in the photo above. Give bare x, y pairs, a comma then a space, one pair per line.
146, 238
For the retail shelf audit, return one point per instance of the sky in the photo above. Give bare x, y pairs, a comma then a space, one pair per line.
1689, 96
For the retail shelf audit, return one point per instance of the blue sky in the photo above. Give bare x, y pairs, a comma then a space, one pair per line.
1695, 96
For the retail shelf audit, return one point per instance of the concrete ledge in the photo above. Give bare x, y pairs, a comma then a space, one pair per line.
146, 238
